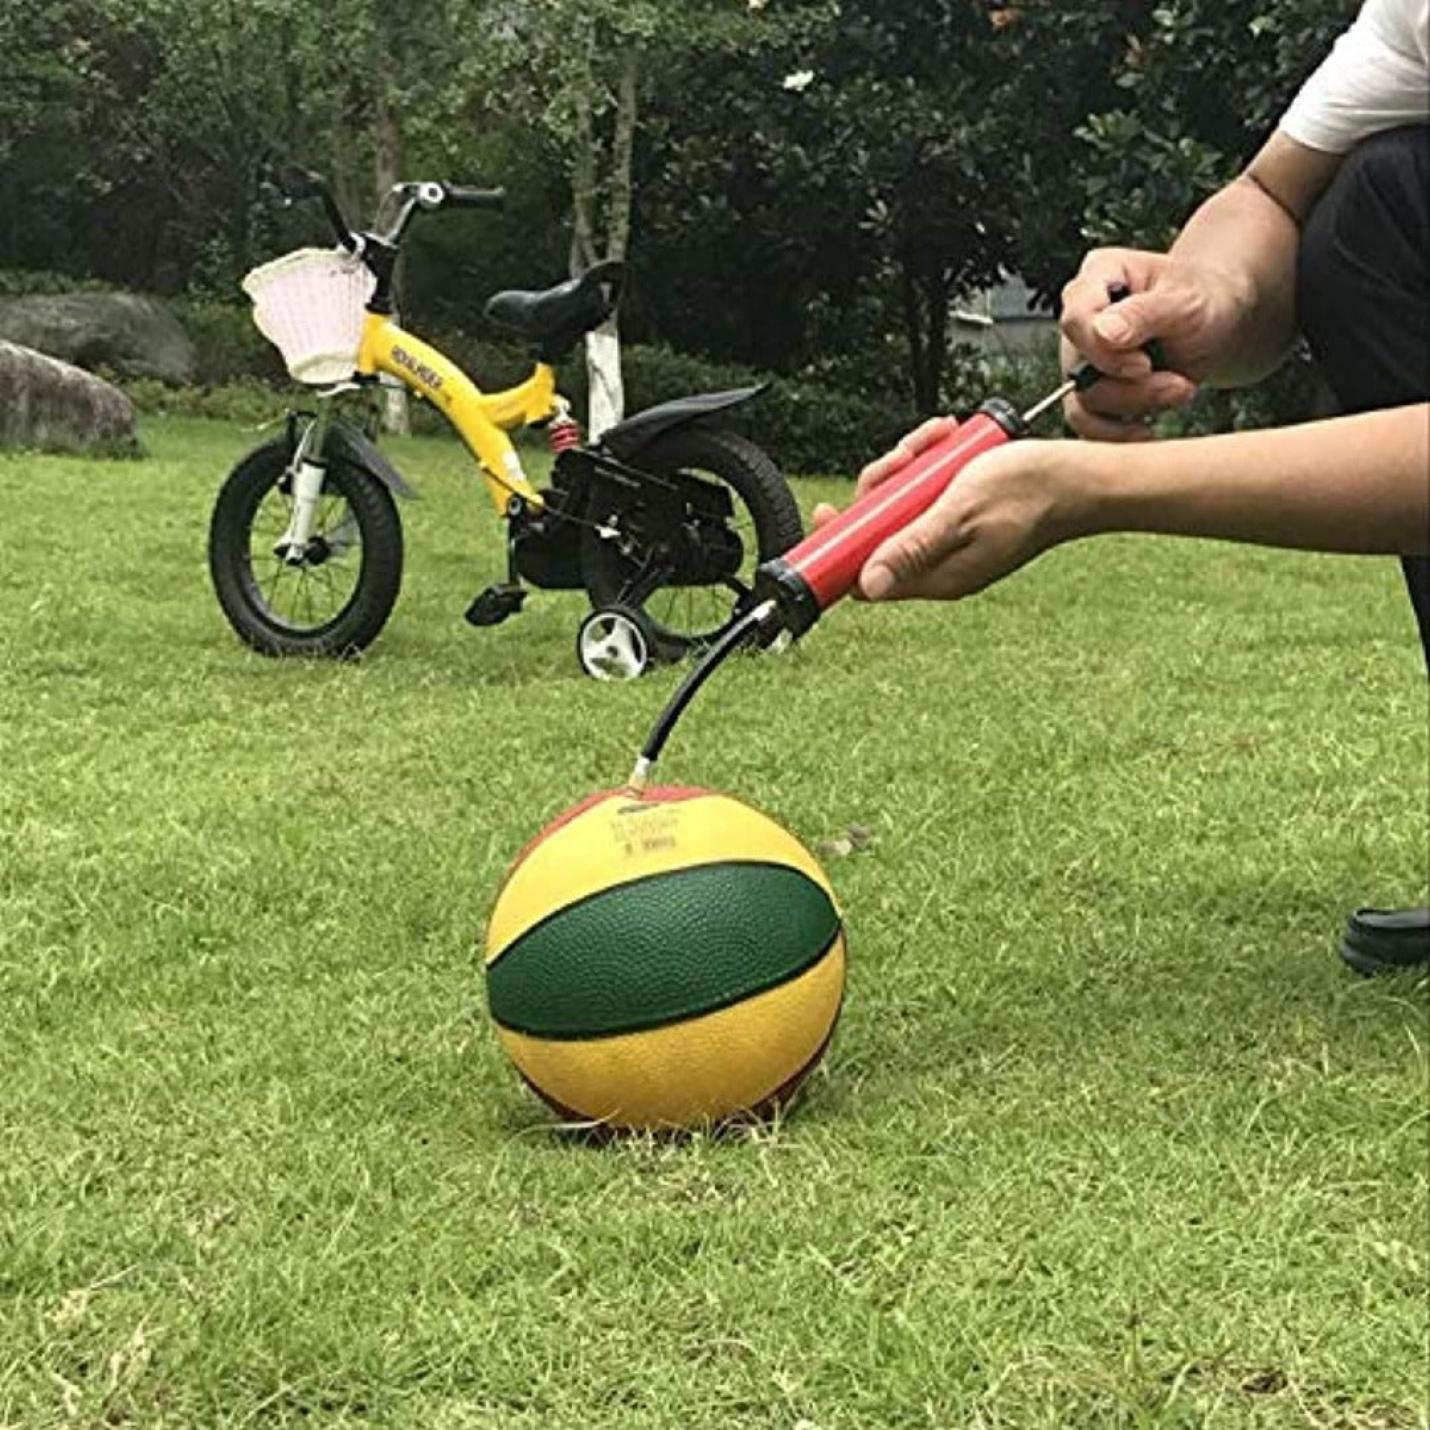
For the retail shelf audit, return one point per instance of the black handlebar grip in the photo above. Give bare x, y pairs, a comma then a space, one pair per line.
462, 197
295, 182
1083, 377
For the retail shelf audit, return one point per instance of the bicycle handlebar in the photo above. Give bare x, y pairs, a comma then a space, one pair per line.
460, 196
295, 182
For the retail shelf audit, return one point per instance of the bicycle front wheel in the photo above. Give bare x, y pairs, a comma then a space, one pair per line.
336, 600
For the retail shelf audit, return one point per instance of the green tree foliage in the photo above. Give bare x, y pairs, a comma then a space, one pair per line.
811, 181
1202, 85
845, 188
133, 136
580, 74
133, 129
749, 225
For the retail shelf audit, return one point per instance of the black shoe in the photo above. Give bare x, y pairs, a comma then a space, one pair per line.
1386, 940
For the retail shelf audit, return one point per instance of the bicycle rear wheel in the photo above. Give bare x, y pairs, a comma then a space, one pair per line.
764, 518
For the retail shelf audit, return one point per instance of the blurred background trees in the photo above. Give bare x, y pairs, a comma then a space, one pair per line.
807, 188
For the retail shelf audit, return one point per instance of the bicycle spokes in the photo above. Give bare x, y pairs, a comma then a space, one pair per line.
310, 590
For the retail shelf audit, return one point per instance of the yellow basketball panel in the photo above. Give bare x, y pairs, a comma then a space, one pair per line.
703, 1069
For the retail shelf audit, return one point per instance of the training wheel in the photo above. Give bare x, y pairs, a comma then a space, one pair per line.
614, 644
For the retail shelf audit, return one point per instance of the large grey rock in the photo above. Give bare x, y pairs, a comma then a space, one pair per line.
128, 333
54, 406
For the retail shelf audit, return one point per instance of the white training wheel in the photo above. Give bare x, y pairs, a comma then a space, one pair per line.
612, 644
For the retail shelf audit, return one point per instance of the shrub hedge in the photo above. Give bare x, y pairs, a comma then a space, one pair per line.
809, 426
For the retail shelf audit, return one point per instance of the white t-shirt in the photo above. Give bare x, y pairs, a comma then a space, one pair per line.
1376, 77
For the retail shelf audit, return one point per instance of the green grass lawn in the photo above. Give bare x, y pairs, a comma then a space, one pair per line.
1107, 1137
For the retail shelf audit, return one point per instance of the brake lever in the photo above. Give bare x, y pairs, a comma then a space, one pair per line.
296, 182
270, 193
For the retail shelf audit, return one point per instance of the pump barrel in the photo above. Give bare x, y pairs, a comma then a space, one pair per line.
812, 576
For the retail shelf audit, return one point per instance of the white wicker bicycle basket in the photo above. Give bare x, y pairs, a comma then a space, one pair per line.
309, 305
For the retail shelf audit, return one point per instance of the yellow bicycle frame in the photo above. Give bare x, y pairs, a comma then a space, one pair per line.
482, 419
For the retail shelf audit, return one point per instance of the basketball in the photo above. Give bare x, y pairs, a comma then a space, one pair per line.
668, 960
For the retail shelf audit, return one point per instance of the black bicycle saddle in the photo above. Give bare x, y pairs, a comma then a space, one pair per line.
564, 312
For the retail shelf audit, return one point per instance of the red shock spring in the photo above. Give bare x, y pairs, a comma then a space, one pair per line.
563, 433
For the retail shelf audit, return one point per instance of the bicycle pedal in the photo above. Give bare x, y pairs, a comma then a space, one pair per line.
495, 604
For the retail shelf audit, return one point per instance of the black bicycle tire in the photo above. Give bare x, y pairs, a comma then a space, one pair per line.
365, 613
737, 461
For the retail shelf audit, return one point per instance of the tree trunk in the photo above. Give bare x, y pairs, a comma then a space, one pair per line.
937, 296
618, 220
926, 299
913, 332
387, 170
583, 166
346, 188
603, 347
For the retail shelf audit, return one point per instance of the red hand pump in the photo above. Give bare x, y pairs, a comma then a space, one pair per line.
792, 591
812, 576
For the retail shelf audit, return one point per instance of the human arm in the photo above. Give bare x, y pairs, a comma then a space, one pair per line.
1221, 301
1349, 484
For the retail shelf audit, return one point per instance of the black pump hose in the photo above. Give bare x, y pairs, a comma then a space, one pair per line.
731, 640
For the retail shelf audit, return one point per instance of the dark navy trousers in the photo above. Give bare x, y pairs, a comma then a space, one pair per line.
1363, 291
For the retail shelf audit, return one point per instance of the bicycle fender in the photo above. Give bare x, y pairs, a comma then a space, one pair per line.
356, 448
625, 440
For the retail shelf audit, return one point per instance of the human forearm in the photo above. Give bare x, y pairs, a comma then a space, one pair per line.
1244, 237
1353, 484
1221, 303
1249, 233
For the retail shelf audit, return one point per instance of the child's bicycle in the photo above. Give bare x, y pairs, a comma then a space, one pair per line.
662, 521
